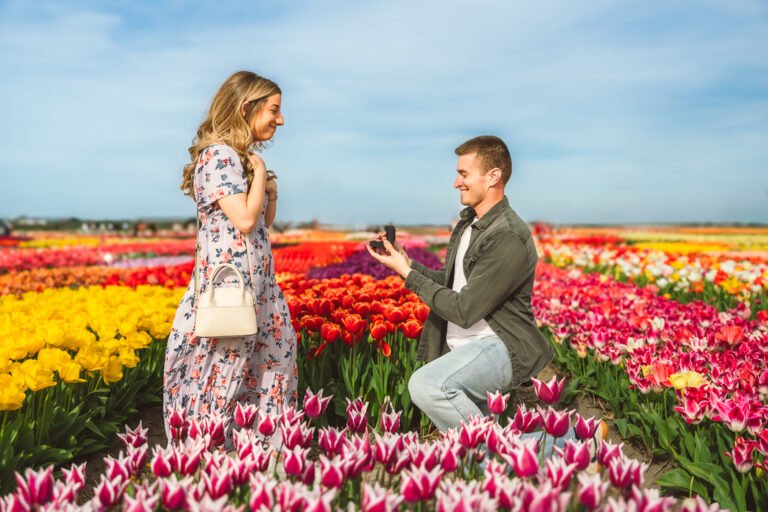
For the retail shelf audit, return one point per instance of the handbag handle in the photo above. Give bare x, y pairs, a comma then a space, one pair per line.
197, 258
221, 267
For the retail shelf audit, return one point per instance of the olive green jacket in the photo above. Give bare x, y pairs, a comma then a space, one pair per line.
499, 265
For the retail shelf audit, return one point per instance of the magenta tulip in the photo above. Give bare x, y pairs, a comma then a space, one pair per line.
549, 392
497, 403
315, 405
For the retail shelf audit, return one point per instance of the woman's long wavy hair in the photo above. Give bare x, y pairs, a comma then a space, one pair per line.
226, 123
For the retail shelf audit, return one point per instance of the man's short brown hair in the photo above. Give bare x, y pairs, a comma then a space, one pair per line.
491, 152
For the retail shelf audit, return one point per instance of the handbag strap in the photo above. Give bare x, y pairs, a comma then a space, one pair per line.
197, 257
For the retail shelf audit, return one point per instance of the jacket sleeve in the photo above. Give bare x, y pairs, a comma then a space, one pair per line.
498, 272
437, 276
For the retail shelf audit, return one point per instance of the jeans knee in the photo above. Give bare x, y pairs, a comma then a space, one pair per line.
419, 389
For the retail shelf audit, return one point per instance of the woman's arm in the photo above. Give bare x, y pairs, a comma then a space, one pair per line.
243, 210
271, 189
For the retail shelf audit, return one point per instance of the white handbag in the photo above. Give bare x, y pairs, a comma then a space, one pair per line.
225, 312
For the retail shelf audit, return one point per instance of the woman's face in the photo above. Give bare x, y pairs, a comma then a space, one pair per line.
265, 122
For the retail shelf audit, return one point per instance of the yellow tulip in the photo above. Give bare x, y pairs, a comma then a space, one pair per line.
114, 370
128, 357
688, 379
52, 358
70, 372
36, 376
11, 395
91, 359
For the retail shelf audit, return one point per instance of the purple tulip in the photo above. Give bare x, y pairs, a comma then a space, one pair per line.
497, 403
245, 415
315, 405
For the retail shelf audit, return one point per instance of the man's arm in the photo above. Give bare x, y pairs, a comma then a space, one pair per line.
501, 268
437, 276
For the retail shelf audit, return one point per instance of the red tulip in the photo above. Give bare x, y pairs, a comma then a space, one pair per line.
330, 331
378, 331
730, 335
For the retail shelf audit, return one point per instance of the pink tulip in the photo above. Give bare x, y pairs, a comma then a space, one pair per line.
174, 493
291, 416
762, 440
75, 475
117, 468
585, 428
734, 413
63, 493
308, 475
332, 472
134, 438
290, 497
217, 429
36, 487
592, 489
549, 499
177, 423
245, 415
331, 440
390, 421
297, 435
742, 454
497, 403
650, 500
576, 453
217, 485
559, 472
239, 471
607, 451
267, 424
473, 432
556, 423
697, 504
144, 501
526, 421
315, 405
386, 448
377, 499
320, 502
295, 461
450, 459
109, 492
397, 465
262, 492
523, 459
187, 460
161, 464
420, 484
625, 472
549, 393
137, 458
692, 410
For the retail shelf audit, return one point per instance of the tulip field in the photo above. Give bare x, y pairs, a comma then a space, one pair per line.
666, 328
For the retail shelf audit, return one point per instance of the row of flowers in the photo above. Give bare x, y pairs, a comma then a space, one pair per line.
482, 465
718, 280
27, 259
713, 363
361, 262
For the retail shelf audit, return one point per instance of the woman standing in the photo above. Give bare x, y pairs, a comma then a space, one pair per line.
235, 206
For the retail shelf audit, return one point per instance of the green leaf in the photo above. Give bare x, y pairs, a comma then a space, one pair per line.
681, 480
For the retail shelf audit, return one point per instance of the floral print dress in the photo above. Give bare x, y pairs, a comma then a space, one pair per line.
210, 375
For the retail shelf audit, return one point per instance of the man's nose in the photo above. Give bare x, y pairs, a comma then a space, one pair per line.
457, 182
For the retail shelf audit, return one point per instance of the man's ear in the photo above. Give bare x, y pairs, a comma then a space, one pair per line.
495, 175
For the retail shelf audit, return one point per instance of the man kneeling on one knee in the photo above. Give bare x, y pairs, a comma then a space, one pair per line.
480, 335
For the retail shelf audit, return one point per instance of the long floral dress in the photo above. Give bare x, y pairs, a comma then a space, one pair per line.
210, 375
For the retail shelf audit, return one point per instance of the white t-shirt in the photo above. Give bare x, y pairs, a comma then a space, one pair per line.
456, 336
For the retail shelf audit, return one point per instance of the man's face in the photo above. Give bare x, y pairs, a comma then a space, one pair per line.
470, 180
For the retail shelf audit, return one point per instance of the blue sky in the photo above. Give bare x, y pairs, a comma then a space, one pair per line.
650, 111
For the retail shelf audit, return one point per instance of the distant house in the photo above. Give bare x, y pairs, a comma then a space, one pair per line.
5, 228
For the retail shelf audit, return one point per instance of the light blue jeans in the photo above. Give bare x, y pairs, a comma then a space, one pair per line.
453, 387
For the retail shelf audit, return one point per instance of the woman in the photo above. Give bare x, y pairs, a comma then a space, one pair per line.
235, 206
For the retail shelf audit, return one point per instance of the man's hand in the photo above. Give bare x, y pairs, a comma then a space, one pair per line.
394, 257
271, 186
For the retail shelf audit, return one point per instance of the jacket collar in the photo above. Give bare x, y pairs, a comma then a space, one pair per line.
468, 213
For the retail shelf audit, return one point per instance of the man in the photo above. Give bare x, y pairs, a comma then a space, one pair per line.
480, 334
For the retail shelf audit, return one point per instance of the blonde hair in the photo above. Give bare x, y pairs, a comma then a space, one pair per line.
226, 123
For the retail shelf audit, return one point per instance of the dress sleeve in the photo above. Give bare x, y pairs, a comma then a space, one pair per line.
219, 173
